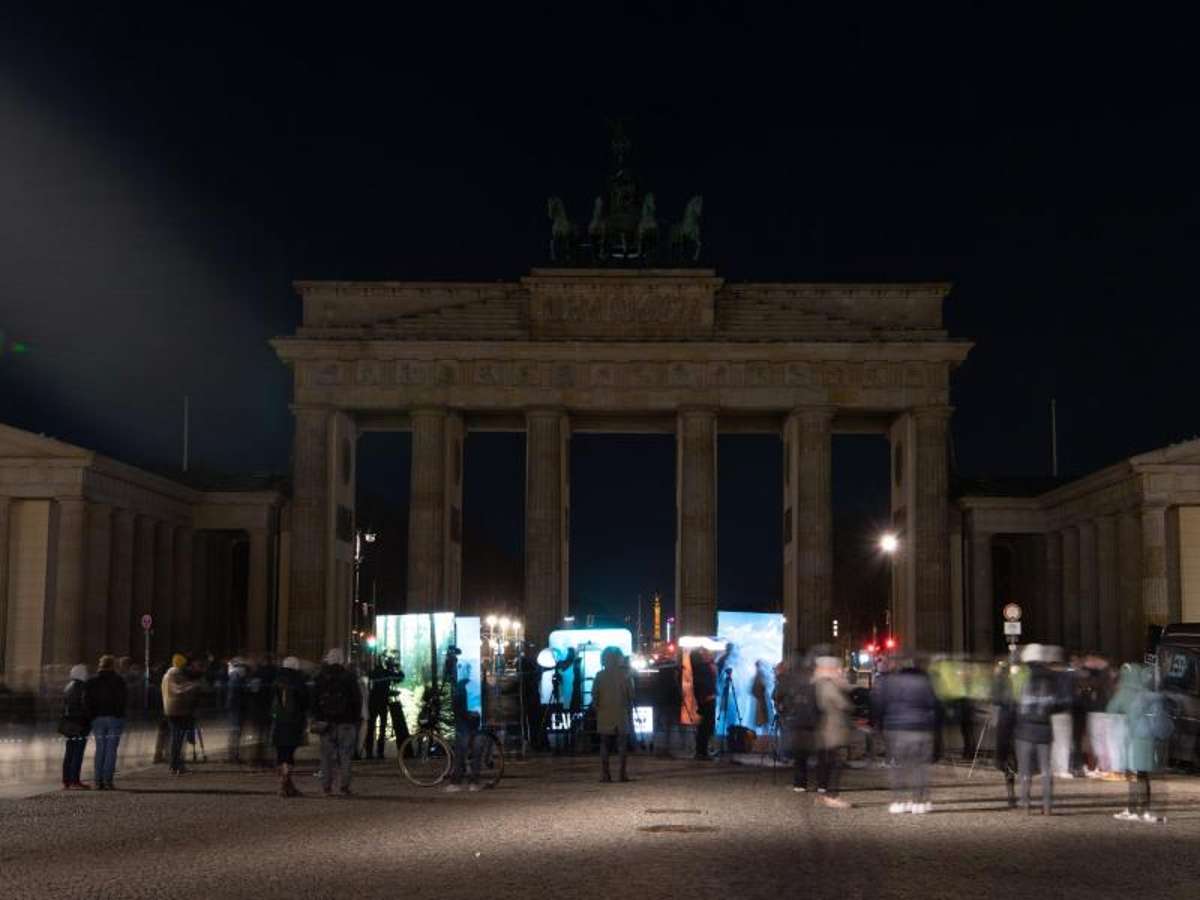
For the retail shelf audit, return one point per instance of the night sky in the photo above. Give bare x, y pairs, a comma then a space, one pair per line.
165, 174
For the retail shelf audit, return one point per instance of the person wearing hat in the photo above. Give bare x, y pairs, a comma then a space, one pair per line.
105, 696
74, 726
178, 698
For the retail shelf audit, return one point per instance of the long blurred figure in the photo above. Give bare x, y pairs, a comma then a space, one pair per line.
338, 707
704, 686
289, 714
796, 705
1148, 728
1040, 698
1005, 690
910, 714
833, 732
179, 701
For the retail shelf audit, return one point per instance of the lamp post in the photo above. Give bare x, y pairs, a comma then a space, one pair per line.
889, 545
361, 537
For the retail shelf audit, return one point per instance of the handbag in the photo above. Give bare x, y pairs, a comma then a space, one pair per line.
319, 727
71, 728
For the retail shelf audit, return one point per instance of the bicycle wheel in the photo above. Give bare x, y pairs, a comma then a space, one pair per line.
491, 759
425, 759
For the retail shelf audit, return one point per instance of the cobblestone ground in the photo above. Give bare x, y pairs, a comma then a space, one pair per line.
551, 829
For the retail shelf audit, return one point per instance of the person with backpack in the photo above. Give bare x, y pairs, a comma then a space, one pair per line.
336, 717
75, 726
796, 705
1040, 698
1148, 728
289, 715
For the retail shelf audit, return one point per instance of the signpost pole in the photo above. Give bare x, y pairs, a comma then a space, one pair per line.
147, 630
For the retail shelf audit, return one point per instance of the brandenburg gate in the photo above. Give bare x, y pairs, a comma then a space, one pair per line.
568, 350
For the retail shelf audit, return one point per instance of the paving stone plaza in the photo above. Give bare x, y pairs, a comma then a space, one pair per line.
680, 829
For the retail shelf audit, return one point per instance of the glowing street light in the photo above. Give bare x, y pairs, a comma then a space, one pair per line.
491, 621
889, 543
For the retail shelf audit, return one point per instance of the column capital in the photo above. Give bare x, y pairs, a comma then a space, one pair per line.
545, 412
697, 412
426, 412
932, 412
814, 415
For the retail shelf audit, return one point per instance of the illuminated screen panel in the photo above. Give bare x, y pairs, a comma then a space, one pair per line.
470, 663
757, 640
587, 644
419, 642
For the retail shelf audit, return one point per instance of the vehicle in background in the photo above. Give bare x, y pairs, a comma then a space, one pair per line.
1177, 660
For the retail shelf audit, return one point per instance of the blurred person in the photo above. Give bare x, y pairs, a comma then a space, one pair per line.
74, 725
949, 683
289, 715
261, 693
237, 673
384, 677
105, 695
910, 714
178, 696
761, 690
1098, 694
796, 704
337, 707
466, 724
1040, 697
364, 693
1005, 690
668, 699
529, 674
612, 697
704, 687
1148, 728
833, 728
1079, 711
1061, 721
1128, 685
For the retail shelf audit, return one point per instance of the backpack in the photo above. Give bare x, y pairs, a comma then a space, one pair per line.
1038, 699
333, 699
285, 705
799, 704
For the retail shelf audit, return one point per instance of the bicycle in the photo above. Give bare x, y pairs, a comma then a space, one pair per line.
426, 758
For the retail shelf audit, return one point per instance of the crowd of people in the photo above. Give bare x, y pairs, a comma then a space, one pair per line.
1049, 716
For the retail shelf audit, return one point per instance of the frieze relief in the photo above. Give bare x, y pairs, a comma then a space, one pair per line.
844, 378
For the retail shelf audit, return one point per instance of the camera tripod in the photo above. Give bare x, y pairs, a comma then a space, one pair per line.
727, 694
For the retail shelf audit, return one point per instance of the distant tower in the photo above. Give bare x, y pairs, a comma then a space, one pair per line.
657, 617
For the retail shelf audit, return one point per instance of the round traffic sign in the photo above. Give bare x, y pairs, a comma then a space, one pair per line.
1011, 612
147, 622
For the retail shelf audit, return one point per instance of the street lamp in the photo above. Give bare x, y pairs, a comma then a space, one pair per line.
889, 544
361, 537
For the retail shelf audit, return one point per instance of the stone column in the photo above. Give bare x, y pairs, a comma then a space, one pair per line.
932, 549
1070, 588
257, 590
1107, 601
1089, 621
696, 521
201, 578
1053, 567
310, 533
453, 524
1129, 554
99, 564
184, 602
143, 581
164, 641
808, 528
69, 552
5, 504
120, 620
426, 512
547, 521
983, 614
1154, 565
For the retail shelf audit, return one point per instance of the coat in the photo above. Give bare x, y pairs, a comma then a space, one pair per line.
290, 692
105, 693
834, 728
178, 693
612, 695
1134, 701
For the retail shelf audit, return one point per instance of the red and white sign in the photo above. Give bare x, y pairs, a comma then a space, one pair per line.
147, 622
1011, 612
